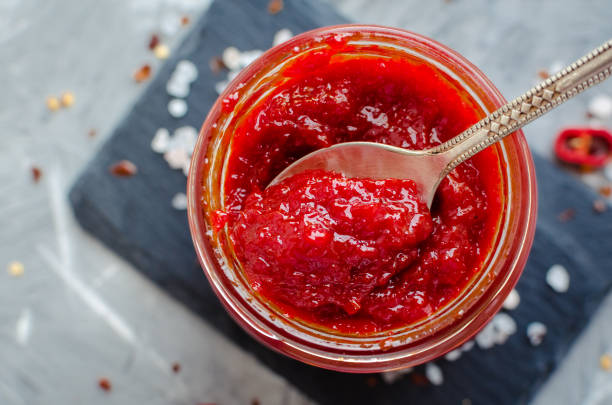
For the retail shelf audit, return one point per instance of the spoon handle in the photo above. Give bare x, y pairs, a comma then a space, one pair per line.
575, 78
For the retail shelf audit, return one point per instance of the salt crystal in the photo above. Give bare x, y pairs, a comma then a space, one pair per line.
558, 278
453, 355
161, 141
179, 201
505, 326
231, 58
467, 346
608, 172
231, 75
248, 57
389, 377
512, 300
601, 107
434, 374
186, 167
177, 108
23, 328
176, 158
187, 69
485, 339
170, 24
555, 67
177, 88
220, 86
536, 332
281, 36
501, 327
184, 138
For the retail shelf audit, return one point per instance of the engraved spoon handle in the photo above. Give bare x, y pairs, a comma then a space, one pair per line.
575, 78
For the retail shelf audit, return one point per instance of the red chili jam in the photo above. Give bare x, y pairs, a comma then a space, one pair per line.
358, 255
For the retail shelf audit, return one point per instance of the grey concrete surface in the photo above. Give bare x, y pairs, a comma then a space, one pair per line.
79, 313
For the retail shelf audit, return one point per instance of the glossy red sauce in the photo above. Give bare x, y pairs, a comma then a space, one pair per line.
358, 255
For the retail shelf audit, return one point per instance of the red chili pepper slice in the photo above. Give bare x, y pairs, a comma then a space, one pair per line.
584, 146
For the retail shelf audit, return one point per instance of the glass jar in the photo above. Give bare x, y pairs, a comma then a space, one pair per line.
454, 323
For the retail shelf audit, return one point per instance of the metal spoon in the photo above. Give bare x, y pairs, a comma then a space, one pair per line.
428, 167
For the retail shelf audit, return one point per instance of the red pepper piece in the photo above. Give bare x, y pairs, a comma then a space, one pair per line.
584, 146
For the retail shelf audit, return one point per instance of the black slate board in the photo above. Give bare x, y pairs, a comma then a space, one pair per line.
133, 216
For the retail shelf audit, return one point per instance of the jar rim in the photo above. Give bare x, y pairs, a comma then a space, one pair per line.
309, 350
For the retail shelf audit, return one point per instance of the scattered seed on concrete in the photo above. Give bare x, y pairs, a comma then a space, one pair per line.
53, 103
67, 99
161, 51
15, 268
605, 362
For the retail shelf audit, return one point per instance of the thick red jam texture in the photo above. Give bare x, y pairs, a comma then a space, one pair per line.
358, 255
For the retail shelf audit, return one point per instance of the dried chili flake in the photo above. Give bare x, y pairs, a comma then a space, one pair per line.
153, 42
92, 133
567, 215
543, 74
36, 173
185, 20
216, 64
104, 384
275, 6
124, 168
599, 206
371, 381
176, 367
605, 191
419, 379
143, 73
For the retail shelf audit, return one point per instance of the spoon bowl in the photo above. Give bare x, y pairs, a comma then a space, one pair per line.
428, 168
375, 161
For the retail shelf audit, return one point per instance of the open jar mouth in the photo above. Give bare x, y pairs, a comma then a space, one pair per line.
454, 323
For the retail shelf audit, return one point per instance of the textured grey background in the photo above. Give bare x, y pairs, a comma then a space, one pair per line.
91, 314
